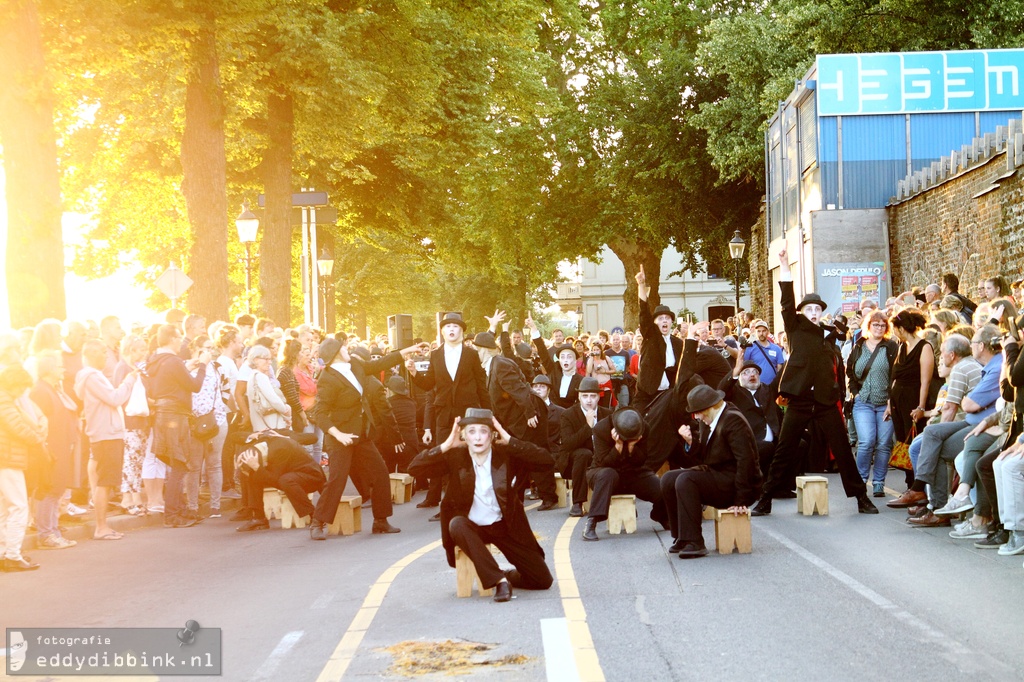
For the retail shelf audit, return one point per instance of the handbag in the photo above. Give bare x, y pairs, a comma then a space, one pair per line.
137, 405
205, 427
900, 457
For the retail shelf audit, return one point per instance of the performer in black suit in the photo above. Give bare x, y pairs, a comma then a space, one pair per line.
276, 461
661, 352
458, 382
577, 436
619, 467
727, 477
565, 381
812, 381
757, 403
541, 388
344, 414
404, 409
480, 507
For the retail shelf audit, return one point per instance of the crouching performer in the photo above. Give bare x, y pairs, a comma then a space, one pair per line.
479, 507
276, 461
727, 478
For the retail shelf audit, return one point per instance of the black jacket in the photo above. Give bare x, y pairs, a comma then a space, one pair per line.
457, 463
339, 403
554, 371
631, 459
652, 359
764, 412
510, 396
814, 369
554, 426
731, 449
575, 432
453, 398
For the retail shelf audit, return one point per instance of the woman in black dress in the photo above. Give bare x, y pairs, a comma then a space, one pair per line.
911, 376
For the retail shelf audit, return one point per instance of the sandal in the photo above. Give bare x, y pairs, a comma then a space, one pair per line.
113, 535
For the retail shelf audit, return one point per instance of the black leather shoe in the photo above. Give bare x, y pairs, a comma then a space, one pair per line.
577, 510
381, 526
994, 540
502, 591
763, 507
243, 514
865, 505
785, 495
22, 564
436, 517
318, 531
255, 524
590, 530
676, 546
692, 550
426, 504
548, 506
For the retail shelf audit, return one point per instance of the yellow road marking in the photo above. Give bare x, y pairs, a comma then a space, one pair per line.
587, 664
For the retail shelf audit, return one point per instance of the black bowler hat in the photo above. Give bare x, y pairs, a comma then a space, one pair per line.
477, 415
329, 348
589, 385
628, 423
812, 298
396, 384
453, 318
751, 365
663, 310
542, 379
485, 340
568, 346
701, 397
359, 352
524, 350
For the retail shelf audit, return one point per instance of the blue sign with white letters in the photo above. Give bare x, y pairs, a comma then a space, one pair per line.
913, 82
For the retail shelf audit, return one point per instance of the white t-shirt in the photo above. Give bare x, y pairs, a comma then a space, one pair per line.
244, 373
228, 370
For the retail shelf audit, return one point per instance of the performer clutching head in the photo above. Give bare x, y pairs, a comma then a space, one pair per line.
479, 507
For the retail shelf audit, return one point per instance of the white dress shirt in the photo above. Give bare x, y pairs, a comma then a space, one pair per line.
670, 360
345, 369
451, 359
563, 388
484, 510
767, 428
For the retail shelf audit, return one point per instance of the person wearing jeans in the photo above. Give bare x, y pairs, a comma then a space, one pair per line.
868, 370
208, 452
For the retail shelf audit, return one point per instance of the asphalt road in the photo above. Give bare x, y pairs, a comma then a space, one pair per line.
842, 597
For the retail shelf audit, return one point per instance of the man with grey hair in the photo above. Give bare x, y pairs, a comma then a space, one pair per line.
932, 293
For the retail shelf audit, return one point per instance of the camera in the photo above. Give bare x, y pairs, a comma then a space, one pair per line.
744, 342
422, 365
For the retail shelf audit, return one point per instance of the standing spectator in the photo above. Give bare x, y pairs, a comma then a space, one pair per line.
291, 349
267, 406
61, 440
245, 323
951, 287
868, 373
111, 333
305, 376
22, 434
206, 453
911, 377
136, 431
619, 356
104, 426
763, 352
600, 367
229, 343
195, 326
170, 388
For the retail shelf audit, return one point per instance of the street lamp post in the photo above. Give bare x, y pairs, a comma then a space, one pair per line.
736, 248
325, 266
247, 224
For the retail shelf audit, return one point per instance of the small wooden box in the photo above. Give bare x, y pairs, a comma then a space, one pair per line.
562, 490
709, 514
622, 514
401, 488
272, 503
349, 518
732, 531
289, 518
466, 576
812, 495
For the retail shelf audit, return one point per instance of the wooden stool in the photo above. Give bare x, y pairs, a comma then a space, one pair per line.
586, 505
466, 577
401, 488
349, 518
709, 514
663, 470
562, 491
732, 531
272, 503
289, 518
812, 495
622, 514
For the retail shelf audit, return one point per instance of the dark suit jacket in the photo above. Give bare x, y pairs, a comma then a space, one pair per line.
404, 409
813, 368
554, 426
453, 398
339, 404
457, 463
554, 372
731, 450
633, 459
575, 431
652, 358
764, 412
510, 396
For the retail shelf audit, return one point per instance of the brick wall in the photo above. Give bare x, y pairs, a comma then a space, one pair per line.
937, 230
761, 294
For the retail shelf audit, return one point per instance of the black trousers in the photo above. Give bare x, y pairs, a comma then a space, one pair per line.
685, 491
363, 457
530, 571
607, 481
988, 500
573, 466
829, 419
297, 485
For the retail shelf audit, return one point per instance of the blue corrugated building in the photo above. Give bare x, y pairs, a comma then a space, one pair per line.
852, 128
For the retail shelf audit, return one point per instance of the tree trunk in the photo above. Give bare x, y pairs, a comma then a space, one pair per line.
204, 183
633, 254
35, 247
276, 241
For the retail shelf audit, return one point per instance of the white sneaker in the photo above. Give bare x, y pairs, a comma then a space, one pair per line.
966, 530
954, 506
75, 510
1015, 545
53, 542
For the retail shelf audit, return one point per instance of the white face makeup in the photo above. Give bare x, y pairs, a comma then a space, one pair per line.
477, 437
750, 379
567, 359
541, 390
589, 401
452, 333
812, 311
664, 323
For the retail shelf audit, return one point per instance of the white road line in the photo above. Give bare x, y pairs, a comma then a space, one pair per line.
953, 651
559, 661
269, 667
